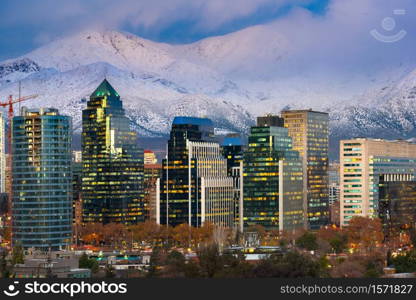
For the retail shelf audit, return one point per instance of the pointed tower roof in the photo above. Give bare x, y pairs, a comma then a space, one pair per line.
104, 89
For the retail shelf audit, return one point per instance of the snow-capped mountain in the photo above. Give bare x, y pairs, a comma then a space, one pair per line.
230, 78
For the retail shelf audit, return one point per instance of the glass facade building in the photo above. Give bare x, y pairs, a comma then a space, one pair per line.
112, 162
233, 150
194, 187
310, 134
273, 183
397, 203
42, 179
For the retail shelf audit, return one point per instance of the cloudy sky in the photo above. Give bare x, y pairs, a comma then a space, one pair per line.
318, 26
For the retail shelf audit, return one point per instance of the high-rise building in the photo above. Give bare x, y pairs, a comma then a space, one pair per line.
309, 132
42, 179
233, 150
112, 172
5, 203
333, 179
334, 209
152, 173
2, 155
397, 203
194, 187
273, 182
363, 161
149, 157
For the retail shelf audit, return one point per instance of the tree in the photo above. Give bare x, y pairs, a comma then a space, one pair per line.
405, 263
307, 241
336, 237
339, 243
155, 263
4, 270
348, 268
290, 265
365, 234
88, 263
18, 256
109, 271
210, 260
174, 265
182, 235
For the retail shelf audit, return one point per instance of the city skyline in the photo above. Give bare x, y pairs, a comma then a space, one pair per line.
212, 139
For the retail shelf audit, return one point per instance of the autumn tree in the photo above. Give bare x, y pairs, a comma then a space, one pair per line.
365, 234
336, 237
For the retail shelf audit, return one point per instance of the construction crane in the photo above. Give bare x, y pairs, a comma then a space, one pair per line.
10, 101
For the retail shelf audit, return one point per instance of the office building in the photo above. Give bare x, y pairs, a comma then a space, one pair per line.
363, 161
42, 179
149, 157
334, 204
194, 187
273, 183
309, 132
152, 173
233, 150
2, 154
112, 162
397, 203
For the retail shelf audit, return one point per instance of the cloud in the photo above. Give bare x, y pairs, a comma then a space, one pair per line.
341, 38
136, 13
337, 39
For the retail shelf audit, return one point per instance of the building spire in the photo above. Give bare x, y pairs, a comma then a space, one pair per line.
104, 89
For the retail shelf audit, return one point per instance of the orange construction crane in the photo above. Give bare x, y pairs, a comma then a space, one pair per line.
10, 101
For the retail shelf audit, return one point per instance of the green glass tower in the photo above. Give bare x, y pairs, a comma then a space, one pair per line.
112, 162
273, 182
42, 179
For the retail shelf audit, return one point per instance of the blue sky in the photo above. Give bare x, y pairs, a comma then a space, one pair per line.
28, 24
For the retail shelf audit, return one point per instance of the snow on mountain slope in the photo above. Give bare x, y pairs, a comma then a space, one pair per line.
230, 78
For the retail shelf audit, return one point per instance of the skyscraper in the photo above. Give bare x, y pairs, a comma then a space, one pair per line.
42, 179
112, 162
194, 187
309, 132
363, 163
152, 174
397, 203
232, 150
273, 183
2, 155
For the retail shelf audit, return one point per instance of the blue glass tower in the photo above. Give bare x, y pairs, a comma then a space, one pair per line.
42, 179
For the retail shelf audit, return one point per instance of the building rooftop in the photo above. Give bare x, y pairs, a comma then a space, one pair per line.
411, 142
104, 89
303, 111
232, 141
192, 121
49, 111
